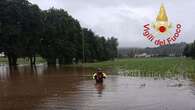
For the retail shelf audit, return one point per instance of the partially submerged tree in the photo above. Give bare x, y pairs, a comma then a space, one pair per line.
61, 38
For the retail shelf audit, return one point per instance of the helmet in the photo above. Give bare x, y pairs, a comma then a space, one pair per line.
99, 69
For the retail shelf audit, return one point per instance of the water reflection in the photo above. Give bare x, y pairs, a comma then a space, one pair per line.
4, 72
62, 88
193, 84
99, 87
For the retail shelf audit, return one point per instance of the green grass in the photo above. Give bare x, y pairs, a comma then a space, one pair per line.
22, 60
149, 65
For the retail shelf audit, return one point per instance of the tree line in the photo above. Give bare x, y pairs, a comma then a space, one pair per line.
53, 34
189, 50
175, 50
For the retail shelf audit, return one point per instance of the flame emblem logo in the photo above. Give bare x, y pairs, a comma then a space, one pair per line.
160, 32
162, 25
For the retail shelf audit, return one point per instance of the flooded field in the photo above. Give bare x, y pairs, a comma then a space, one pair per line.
48, 88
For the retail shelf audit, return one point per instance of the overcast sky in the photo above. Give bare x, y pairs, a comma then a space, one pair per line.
124, 19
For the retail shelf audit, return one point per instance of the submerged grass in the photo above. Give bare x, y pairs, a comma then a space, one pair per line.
149, 65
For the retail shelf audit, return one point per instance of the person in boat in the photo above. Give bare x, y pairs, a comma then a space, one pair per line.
99, 76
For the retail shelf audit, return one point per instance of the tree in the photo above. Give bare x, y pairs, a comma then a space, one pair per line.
27, 31
189, 50
89, 45
192, 52
33, 29
61, 38
112, 45
20, 26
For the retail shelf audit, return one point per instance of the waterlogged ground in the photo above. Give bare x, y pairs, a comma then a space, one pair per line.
51, 88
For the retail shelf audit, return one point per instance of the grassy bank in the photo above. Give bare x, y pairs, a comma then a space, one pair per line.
22, 60
149, 65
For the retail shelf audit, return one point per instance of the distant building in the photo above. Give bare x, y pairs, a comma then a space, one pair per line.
142, 55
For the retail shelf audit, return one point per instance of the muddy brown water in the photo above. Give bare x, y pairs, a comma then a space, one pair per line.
48, 88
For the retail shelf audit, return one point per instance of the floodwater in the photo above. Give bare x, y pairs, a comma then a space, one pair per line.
61, 88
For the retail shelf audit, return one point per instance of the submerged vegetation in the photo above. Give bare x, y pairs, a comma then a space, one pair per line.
149, 65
